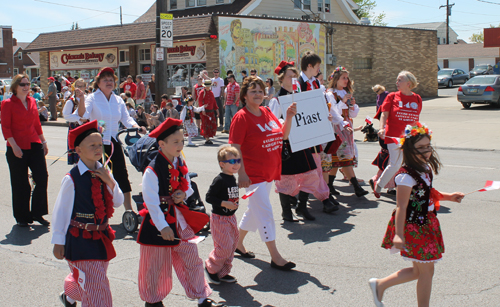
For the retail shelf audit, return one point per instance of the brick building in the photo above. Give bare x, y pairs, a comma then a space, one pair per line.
6, 56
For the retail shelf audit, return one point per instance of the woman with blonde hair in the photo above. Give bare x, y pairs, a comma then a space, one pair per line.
381, 94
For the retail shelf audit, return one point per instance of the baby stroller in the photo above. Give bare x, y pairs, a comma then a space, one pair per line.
140, 151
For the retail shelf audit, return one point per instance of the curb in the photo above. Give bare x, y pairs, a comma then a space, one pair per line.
58, 123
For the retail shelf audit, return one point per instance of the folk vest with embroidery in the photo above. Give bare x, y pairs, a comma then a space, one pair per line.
148, 233
82, 244
418, 204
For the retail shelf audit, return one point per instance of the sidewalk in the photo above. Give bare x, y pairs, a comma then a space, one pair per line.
61, 122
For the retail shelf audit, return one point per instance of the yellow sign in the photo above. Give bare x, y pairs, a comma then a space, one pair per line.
166, 16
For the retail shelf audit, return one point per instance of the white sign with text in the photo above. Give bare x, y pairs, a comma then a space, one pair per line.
310, 126
166, 30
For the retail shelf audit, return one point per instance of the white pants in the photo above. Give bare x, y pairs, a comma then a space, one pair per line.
259, 213
395, 161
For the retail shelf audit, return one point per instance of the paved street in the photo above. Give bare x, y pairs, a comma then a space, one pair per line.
335, 255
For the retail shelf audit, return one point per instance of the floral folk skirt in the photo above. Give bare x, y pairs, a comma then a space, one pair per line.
190, 128
422, 243
208, 124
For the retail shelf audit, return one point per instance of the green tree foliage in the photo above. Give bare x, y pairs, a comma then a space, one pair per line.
479, 37
366, 10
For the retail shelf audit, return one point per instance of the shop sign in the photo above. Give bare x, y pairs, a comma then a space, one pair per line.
85, 76
160, 54
186, 52
83, 59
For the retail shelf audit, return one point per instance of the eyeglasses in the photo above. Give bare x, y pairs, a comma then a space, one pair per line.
216, 72
24, 84
232, 161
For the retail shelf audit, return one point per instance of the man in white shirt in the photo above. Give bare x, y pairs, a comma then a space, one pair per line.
218, 89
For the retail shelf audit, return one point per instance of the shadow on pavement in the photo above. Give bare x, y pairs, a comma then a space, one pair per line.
24, 235
267, 281
122, 234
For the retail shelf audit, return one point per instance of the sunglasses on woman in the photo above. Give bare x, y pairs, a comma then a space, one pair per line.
232, 161
24, 84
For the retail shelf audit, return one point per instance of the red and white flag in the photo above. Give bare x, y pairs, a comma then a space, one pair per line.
295, 84
249, 193
369, 120
196, 239
490, 185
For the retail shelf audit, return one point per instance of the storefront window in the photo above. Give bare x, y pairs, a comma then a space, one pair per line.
190, 3
144, 55
183, 75
124, 56
173, 4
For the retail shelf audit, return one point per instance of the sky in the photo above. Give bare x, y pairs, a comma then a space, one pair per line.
39, 16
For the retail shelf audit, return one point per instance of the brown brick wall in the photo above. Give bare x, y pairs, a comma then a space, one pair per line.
6, 71
391, 50
44, 71
212, 50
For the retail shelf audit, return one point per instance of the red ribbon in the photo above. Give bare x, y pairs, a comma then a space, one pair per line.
278, 69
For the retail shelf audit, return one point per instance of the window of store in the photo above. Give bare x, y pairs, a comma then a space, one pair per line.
219, 2
362, 63
184, 74
144, 54
124, 56
202, 2
320, 5
302, 4
173, 4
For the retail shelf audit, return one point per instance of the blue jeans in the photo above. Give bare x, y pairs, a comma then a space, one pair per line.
229, 113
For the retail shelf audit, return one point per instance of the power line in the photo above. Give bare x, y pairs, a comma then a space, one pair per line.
433, 7
489, 2
84, 8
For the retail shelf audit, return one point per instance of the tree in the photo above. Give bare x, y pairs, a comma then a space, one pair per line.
479, 37
366, 10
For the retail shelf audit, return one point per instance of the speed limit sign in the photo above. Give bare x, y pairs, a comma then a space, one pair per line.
166, 30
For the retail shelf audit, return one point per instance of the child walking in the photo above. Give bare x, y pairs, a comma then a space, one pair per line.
414, 228
168, 224
224, 196
80, 229
188, 118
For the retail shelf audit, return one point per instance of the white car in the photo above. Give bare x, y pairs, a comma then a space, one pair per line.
5, 86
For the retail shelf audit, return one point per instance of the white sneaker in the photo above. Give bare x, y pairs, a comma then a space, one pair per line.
373, 286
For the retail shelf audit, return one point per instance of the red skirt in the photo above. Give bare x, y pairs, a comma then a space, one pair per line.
208, 124
422, 243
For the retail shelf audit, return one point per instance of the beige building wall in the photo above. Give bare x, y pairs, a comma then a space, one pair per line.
391, 51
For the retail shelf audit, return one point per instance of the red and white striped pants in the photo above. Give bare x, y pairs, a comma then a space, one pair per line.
322, 187
96, 292
155, 270
225, 234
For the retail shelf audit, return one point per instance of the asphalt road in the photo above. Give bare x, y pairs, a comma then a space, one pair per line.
335, 255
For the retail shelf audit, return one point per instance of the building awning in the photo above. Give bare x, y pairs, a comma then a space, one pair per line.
127, 34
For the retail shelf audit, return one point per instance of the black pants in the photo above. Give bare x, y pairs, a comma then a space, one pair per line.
221, 110
34, 159
118, 166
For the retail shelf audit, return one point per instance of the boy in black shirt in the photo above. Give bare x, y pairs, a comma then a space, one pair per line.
223, 195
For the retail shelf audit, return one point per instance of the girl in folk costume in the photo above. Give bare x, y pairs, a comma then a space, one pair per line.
168, 224
339, 94
188, 118
75, 106
80, 229
298, 171
209, 116
414, 228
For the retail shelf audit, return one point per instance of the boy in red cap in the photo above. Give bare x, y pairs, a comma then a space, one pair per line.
80, 229
168, 224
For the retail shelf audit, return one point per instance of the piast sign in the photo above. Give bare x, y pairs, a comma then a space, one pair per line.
185, 52
83, 59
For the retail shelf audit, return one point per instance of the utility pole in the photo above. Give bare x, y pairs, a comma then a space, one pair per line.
448, 14
121, 20
161, 73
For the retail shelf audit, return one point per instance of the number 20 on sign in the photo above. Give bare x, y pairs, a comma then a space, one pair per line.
166, 30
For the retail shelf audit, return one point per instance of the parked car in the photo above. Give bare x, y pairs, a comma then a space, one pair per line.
5, 85
480, 89
35, 81
450, 76
483, 69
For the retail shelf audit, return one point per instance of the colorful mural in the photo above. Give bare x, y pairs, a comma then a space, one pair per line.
247, 43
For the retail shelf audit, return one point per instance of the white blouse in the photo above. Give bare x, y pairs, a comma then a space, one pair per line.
71, 116
112, 112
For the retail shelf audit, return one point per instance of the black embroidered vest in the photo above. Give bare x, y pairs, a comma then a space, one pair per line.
418, 204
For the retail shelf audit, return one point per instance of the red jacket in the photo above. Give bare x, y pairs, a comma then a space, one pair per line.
20, 123
207, 99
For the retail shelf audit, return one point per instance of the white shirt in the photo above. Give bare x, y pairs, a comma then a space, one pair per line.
71, 117
195, 109
353, 112
67, 94
217, 85
335, 111
306, 79
63, 208
112, 112
151, 196
407, 180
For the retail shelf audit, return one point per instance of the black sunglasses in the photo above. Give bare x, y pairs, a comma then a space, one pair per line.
232, 161
24, 84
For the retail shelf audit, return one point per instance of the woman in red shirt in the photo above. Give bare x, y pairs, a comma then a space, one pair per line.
26, 148
399, 109
258, 135
209, 116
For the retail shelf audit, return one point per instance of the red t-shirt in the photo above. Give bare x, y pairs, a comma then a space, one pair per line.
130, 87
260, 139
197, 89
403, 110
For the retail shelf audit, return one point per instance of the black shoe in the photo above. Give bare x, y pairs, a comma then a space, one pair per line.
208, 142
302, 206
41, 220
22, 224
228, 278
357, 188
293, 202
331, 179
158, 304
209, 303
213, 278
64, 300
329, 207
287, 209
287, 267
245, 255
392, 192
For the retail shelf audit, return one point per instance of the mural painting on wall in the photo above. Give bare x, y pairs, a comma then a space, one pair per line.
262, 44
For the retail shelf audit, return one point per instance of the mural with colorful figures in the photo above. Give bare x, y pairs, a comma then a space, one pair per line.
248, 43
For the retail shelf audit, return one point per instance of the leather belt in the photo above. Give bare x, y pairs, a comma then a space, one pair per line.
166, 199
88, 226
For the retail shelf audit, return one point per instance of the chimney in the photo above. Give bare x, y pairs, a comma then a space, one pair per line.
14, 42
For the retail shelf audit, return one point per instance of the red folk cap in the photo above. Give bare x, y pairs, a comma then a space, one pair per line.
77, 135
166, 128
51, 79
107, 69
282, 66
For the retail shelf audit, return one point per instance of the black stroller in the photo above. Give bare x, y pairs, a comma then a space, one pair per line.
140, 151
